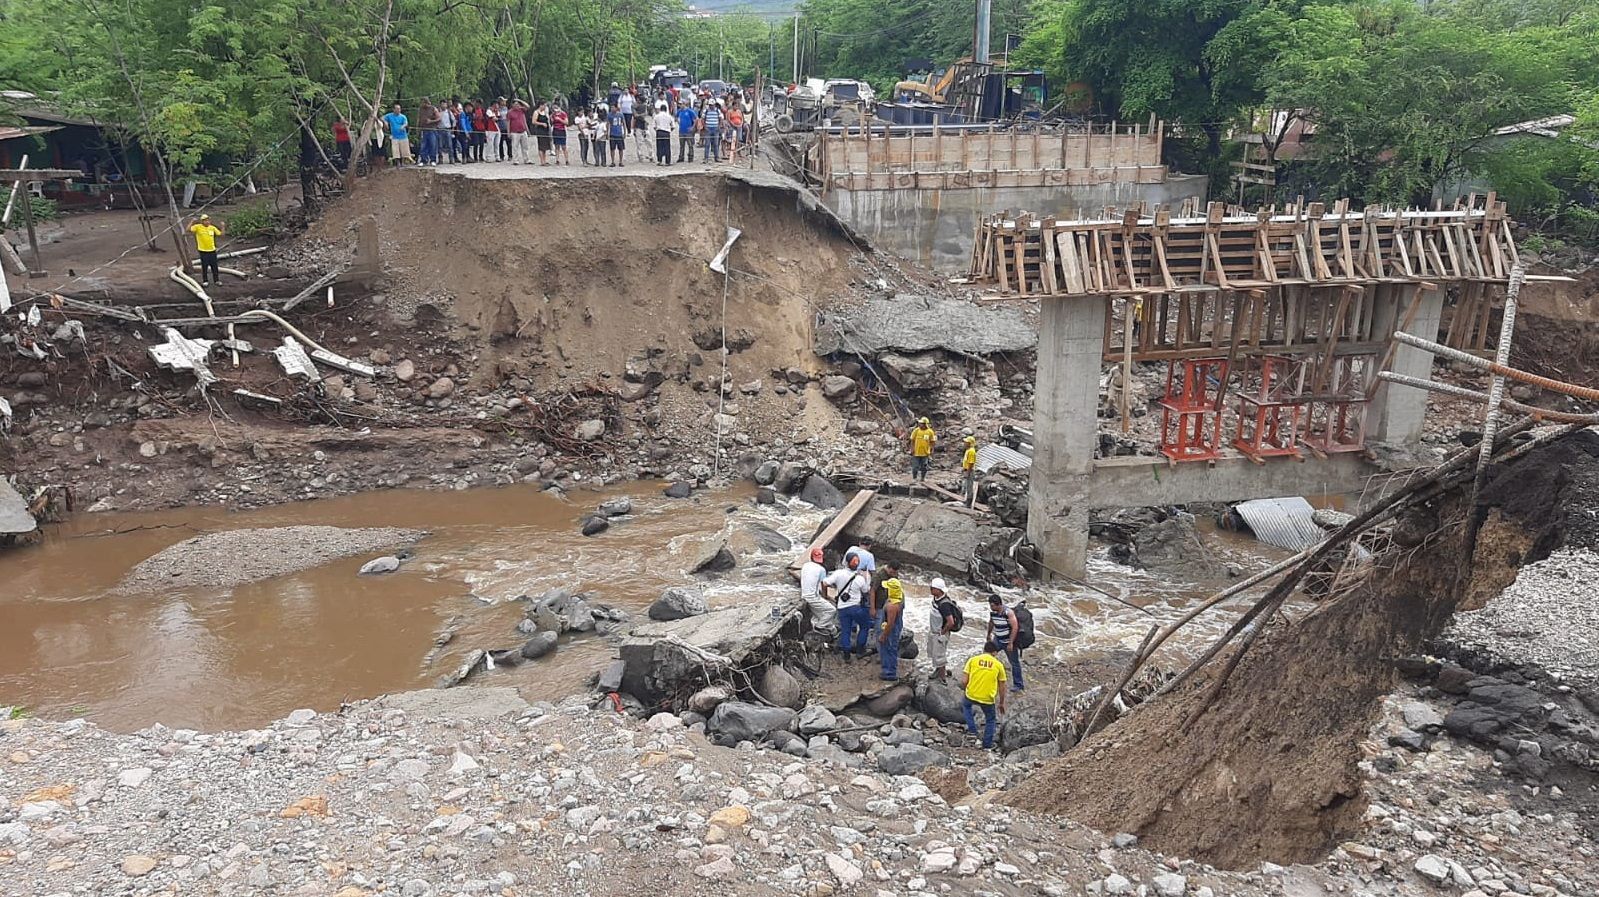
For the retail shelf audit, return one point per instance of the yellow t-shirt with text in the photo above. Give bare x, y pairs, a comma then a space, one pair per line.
984, 673
922, 439
205, 236
969, 460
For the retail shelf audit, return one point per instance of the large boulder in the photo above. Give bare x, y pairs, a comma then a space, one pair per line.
779, 686
1026, 724
890, 702
909, 759
839, 389
595, 524
706, 700
561, 610
743, 721
766, 473
944, 702
714, 557
538, 646
615, 507
679, 489
678, 603
789, 477
768, 539
821, 493
816, 719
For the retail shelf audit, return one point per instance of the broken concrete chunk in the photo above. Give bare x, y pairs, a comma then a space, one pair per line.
912, 371
334, 359
179, 353
292, 358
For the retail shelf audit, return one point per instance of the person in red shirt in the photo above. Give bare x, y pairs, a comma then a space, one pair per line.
558, 122
341, 139
480, 129
516, 124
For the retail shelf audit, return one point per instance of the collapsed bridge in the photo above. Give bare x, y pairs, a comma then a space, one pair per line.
1273, 325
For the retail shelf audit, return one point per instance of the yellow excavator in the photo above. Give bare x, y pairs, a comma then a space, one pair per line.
930, 90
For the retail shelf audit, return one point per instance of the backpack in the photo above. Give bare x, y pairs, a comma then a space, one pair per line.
1024, 626
955, 611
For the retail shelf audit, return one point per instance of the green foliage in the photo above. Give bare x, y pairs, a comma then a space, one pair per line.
18, 712
44, 208
251, 220
1403, 101
872, 40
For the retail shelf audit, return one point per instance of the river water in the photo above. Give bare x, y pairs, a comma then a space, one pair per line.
73, 644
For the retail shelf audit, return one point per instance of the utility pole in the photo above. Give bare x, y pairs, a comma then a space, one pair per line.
796, 78
985, 10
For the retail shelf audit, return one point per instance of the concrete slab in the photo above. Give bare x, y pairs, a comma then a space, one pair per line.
14, 517
670, 656
922, 533
472, 702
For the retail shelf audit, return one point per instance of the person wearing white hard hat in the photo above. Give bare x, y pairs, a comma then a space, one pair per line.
943, 619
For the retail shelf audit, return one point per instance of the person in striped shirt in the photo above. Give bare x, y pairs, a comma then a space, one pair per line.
1003, 631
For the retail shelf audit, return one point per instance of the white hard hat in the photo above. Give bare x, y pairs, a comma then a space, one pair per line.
938, 585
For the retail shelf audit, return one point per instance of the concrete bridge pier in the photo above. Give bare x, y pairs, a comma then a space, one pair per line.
1067, 482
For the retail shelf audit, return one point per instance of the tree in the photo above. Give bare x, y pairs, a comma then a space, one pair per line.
1402, 100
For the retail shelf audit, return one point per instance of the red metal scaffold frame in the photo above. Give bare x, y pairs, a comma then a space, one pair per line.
1335, 416
1190, 423
1271, 397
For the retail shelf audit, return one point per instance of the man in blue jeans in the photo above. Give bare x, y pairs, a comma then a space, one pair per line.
893, 621
687, 118
846, 586
712, 128
984, 681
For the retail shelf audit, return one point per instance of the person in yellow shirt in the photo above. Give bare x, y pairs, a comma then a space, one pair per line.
984, 680
893, 622
922, 439
969, 470
205, 242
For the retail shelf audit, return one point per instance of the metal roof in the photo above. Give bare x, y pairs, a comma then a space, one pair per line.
1283, 522
8, 132
991, 456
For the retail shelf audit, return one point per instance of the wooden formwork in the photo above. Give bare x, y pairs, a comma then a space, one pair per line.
1267, 281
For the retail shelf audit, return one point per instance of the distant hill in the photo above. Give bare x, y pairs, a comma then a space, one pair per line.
757, 7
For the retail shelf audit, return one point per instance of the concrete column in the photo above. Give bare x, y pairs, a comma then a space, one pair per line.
1397, 412
1071, 336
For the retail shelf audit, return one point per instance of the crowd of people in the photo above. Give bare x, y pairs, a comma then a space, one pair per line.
460, 132
863, 606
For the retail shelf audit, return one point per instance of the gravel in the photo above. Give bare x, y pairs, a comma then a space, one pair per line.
224, 559
1546, 617
474, 791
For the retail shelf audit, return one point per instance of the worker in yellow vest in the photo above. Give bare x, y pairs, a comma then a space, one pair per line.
922, 439
969, 470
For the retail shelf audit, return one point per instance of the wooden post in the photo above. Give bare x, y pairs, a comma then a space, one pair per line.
33, 238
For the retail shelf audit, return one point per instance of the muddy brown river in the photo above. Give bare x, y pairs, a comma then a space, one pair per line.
73, 644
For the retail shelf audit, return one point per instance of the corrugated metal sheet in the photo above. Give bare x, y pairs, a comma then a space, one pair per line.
1283, 522
991, 456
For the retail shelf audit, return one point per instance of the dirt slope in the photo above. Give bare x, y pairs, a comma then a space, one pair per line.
1270, 771
556, 279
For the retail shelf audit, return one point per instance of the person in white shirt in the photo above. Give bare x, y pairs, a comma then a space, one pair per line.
663, 135
847, 587
823, 616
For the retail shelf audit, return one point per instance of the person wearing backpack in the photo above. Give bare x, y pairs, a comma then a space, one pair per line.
944, 618
1005, 631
